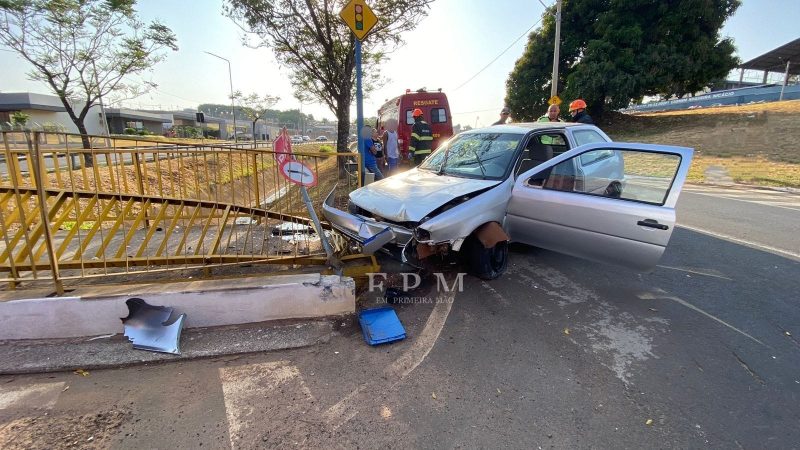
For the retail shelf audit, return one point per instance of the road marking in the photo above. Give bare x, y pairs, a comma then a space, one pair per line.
42, 395
664, 295
697, 272
742, 241
347, 408
253, 394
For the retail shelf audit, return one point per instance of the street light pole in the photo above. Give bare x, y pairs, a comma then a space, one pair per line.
233, 104
556, 51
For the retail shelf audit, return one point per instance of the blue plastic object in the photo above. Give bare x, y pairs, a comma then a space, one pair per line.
381, 325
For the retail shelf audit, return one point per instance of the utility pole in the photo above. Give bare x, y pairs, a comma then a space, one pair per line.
556, 51
233, 104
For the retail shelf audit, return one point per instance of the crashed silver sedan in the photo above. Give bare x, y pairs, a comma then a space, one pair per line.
562, 187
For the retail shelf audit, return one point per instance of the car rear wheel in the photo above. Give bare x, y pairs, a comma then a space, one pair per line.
486, 263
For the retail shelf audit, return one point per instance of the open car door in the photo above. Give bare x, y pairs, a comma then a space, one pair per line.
609, 202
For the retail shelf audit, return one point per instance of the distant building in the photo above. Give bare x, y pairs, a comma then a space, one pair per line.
47, 113
120, 118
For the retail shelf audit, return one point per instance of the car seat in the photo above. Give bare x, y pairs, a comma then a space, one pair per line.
535, 153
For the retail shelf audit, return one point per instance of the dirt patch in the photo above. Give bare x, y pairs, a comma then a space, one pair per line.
756, 144
87, 431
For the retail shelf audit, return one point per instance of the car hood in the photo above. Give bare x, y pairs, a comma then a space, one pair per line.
410, 196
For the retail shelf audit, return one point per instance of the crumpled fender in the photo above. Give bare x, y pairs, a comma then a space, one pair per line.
490, 233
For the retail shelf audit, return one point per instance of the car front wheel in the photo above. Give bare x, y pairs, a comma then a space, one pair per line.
486, 263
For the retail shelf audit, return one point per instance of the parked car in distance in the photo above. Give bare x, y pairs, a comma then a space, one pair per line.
296, 140
306, 138
322, 139
564, 187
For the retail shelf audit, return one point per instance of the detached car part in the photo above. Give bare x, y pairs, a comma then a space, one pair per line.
149, 327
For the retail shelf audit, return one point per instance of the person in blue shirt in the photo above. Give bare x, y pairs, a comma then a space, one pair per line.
370, 149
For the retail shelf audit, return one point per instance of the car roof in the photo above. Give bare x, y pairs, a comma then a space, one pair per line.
526, 127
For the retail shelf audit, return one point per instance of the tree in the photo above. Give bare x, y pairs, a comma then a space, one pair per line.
616, 52
254, 107
83, 50
310, 39
19, 119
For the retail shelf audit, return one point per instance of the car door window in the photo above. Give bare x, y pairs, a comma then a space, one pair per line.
587, 137
624, 174
541, 148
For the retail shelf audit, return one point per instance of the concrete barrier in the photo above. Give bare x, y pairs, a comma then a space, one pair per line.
97, 310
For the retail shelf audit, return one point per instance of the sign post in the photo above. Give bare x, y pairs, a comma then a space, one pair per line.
360, 112
360, 18
300, 174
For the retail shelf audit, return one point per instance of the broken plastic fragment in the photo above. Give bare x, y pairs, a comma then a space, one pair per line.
148, 327
81, 372
649, 422
566, 331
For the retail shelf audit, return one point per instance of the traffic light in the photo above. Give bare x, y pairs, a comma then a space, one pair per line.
359, 17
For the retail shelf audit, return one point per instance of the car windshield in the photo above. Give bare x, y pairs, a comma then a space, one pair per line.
475, 155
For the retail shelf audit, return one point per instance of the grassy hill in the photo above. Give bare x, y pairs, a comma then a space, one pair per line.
752, 144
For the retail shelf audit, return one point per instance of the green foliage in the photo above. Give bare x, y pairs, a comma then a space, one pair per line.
254, 107
130, 131
287, 117
84, 49
19, 119
326, 149
69, 225
616, 52
310, 39
187, 131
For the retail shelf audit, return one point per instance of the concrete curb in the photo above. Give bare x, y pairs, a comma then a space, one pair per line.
97, 310
107, 352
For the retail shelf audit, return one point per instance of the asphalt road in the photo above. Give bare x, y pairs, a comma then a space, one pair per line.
558, 353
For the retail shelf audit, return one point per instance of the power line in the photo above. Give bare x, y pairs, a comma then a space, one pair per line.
501, 54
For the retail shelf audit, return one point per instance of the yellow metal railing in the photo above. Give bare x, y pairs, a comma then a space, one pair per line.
127, 206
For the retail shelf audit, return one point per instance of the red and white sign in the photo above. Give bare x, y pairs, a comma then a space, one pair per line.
283, 147
298, 173
294, 171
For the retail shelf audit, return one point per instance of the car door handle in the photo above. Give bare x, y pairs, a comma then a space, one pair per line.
650, 223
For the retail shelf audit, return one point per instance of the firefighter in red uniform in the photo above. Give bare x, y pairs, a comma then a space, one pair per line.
421, 138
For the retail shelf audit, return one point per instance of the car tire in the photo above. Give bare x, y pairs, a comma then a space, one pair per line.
486, 263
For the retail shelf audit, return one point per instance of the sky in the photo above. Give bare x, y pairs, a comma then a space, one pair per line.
461, 37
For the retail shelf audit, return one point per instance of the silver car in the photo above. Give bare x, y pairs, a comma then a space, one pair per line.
563, 187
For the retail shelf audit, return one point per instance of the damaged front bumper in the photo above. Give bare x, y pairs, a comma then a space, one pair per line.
371, 234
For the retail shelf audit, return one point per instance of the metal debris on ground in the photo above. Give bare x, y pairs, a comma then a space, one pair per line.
149, 327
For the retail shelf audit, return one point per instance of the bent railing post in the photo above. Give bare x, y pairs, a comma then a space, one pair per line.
39, 173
